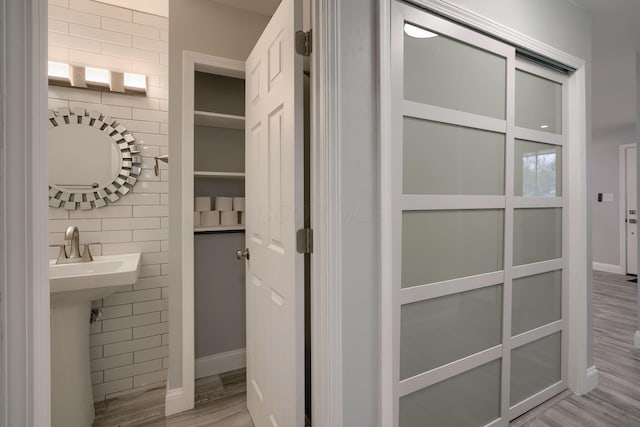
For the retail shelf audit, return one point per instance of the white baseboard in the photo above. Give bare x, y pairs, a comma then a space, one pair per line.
607, 268
592, 379
636, 340
221, 362
175, 402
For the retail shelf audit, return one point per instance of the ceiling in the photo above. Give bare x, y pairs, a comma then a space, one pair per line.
263, 7
615, 41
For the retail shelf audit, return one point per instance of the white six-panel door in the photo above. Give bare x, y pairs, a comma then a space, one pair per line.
274, 191
477, 225
631, 206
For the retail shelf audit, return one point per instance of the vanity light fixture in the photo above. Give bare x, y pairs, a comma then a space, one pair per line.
135, 82
96, 78
58, 72
417, 32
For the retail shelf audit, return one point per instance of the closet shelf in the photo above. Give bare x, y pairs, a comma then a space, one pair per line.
218, 228
207, 174
218, 120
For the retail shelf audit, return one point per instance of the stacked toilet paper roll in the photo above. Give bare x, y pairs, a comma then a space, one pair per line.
239, 206
228, 218
228, 211
224, 203
202, 204
238, 203
210, 218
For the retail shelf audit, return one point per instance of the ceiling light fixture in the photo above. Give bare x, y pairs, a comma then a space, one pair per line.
544, 126
417, 32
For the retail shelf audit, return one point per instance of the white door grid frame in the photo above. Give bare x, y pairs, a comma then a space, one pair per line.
405, 386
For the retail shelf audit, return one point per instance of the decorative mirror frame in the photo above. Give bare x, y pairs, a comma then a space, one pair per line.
129, 168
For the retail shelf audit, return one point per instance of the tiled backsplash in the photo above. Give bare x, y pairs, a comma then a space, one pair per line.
129, 346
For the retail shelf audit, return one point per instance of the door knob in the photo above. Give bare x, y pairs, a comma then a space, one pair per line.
242, 254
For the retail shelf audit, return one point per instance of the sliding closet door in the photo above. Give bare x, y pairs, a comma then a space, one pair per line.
476, 226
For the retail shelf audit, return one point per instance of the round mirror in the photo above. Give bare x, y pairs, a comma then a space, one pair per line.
92, 159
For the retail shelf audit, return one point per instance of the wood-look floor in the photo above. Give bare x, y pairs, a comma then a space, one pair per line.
220, 402
221, 399
616, 400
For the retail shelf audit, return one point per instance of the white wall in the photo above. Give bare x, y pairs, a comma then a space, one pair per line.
129, 347
555, 22
205, 27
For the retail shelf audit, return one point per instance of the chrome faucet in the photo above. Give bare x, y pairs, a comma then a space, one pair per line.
73, 236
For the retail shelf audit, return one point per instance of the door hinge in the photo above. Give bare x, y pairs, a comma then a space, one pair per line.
303, 43
304, 241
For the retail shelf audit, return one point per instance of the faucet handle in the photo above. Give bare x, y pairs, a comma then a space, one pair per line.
86, 253
62, 255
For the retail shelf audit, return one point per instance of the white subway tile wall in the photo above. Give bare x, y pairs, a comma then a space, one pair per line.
129, 349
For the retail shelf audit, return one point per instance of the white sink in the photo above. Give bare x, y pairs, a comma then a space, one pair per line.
73, 287
92, 280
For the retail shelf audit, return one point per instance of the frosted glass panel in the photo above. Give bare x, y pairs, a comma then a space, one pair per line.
538, 169
445, 159
443, 245
537, 301
470, 399
535, 366
447, 73
538, 103
537, 235
445, 329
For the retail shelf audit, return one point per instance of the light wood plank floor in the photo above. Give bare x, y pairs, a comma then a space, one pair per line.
221, 399
220, 402
616, 400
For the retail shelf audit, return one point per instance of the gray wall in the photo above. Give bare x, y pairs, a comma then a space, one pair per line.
360, 219
219, 294
555, 22
205, 27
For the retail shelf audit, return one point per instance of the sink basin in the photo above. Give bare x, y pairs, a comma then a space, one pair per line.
92, 280
73, 287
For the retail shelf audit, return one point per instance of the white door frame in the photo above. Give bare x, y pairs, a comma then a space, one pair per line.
326, 300
24, 281
622, 167
581, 377
326, 212
181, 298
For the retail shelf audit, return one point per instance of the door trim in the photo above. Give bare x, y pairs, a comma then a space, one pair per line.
622, 195
25, 369
326, 213
582, 376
